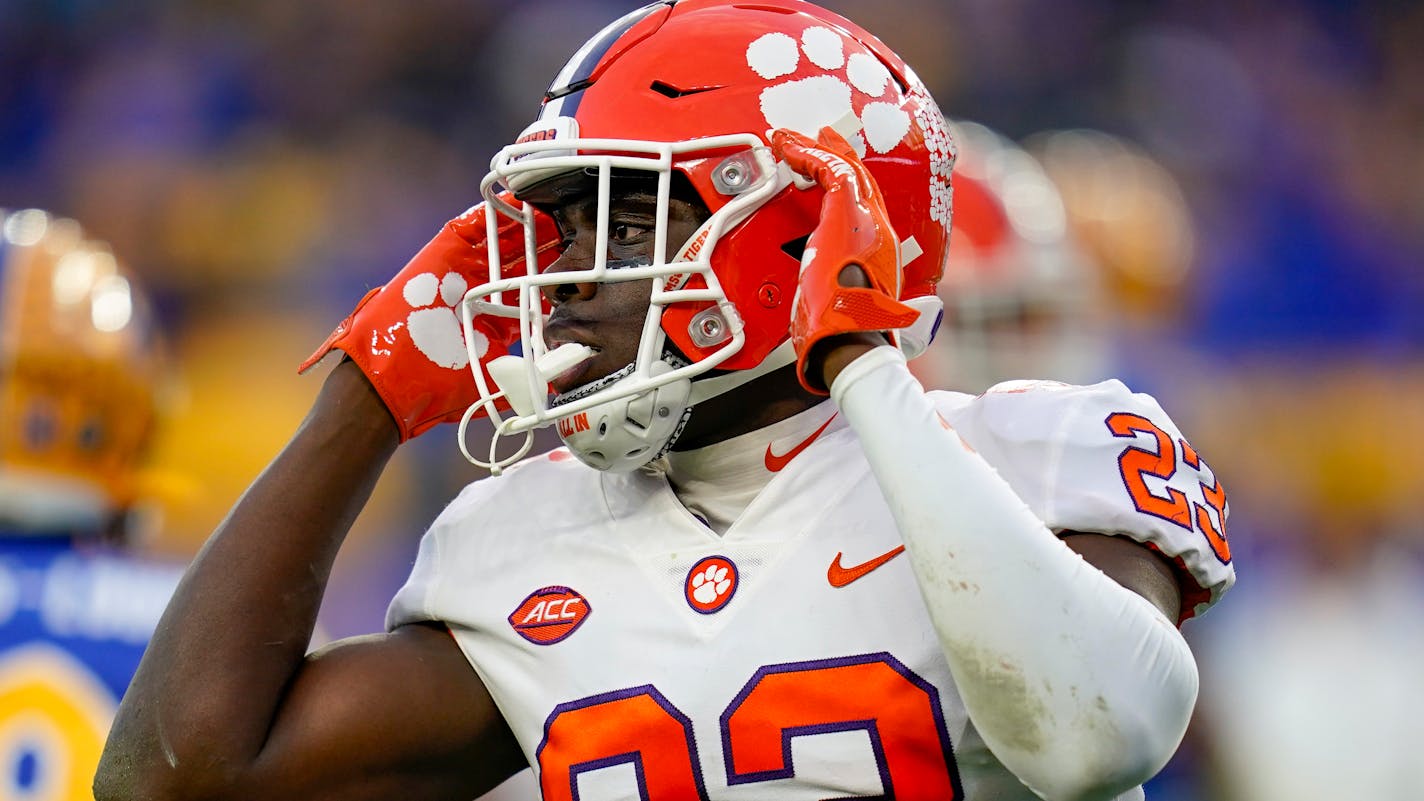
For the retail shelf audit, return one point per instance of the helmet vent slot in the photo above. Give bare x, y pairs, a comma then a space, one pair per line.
760, 7
894, 71
668, 90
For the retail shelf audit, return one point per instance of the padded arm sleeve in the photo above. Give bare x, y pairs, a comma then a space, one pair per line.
1079, 686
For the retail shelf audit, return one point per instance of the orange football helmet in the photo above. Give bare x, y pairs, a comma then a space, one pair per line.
691, 89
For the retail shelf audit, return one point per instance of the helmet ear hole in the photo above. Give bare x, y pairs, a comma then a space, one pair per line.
796, 248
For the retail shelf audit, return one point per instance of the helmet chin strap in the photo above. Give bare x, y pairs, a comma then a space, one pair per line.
706, 387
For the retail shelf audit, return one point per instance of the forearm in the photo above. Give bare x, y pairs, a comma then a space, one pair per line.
239, 624
1078, 685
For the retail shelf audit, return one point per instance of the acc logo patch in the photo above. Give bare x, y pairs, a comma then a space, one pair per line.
549, 615
710, 584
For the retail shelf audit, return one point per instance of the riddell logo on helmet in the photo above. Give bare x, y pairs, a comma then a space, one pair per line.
549, 128
572, 425
538, 136
546, 129
549, 615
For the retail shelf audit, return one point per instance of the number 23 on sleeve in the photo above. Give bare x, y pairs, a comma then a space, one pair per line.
1136, 464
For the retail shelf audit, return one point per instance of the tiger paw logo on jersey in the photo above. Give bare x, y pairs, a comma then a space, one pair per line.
550, 615
710, 584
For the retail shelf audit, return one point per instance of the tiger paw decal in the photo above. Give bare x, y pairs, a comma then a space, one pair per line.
816, 83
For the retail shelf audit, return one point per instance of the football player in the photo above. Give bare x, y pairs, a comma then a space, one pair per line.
767, 563
1022, 298
80, 373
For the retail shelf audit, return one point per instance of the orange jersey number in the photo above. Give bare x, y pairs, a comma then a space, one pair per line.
635, 726
1136, 464
899, 710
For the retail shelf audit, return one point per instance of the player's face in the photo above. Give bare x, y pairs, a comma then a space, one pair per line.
608, 317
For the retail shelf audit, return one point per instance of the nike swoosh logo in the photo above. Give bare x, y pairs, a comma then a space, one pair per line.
841, 576
775, 463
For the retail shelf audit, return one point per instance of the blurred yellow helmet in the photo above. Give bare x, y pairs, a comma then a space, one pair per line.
1019, 296
1128, 211
80, 366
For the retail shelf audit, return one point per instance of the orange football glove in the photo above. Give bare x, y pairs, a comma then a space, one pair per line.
407, 337
854, 230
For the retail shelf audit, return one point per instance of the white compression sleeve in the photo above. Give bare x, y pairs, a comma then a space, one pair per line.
1079, 686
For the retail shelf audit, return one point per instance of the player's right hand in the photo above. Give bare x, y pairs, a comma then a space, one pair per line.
407, 337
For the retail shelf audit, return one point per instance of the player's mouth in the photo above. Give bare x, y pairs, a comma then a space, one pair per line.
576, 376
581, 372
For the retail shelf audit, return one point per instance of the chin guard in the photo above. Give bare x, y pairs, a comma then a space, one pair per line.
626, 433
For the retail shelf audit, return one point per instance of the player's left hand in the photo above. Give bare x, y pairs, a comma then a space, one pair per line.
850, 273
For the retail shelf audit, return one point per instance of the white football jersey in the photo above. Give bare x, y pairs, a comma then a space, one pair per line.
637, 654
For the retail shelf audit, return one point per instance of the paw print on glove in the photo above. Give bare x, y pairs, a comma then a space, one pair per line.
710, 584
811, 103
434, 327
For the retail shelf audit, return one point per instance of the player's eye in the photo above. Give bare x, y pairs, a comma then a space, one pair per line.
626, 232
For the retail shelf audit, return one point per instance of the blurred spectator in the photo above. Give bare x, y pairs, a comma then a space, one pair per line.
1021, 298
81, 378
1310, 677
1129, 216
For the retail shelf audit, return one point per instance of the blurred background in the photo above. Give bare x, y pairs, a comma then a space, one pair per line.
1240, 185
